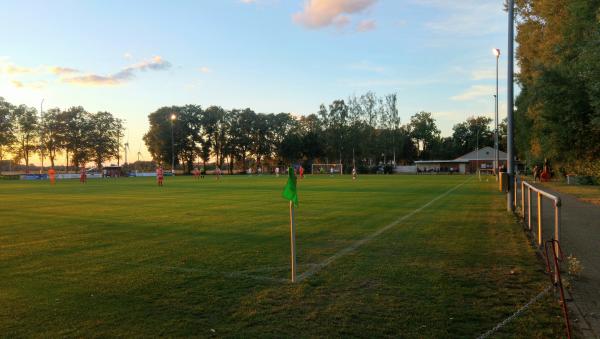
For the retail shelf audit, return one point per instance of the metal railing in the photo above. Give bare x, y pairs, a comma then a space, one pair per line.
525, 186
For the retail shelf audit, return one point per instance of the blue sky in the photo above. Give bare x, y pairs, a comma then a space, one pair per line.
133, 57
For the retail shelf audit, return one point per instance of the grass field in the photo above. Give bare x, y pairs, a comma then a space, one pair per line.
126, 258
586, 193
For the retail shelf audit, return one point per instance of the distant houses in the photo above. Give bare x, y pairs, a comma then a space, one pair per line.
482, 159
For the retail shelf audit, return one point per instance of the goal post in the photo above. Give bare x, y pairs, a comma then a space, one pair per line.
327, 169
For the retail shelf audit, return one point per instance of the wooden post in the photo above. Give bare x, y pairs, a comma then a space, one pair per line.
293, 241
523, 199
557, 226
539, 217
515, 189
529, 207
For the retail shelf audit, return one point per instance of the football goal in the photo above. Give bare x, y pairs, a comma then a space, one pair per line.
326, 169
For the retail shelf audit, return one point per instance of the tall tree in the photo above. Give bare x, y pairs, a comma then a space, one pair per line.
26, 133
475, 130
7, 127
54, 134
104, 134
424, 131
558, 110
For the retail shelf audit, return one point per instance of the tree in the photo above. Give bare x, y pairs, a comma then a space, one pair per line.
392, 120
104, 134
467, 134
75, 140
7, 127
26, 133
158, 137
424, 132
558, 110
53, 130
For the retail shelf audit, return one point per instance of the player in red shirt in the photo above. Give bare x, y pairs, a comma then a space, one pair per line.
52, 175
82, 175
160, 175
196, 173
301, 172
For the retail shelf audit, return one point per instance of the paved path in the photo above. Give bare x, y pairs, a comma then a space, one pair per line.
580, 236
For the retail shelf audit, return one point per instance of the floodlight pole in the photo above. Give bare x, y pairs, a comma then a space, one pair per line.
510, 109
172, 146
496, 144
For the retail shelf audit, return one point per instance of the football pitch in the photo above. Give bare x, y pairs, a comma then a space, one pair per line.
402, 256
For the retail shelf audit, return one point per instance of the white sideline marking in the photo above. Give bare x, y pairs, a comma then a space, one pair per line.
372, 236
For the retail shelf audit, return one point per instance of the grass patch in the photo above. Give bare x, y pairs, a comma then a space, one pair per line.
587, 193
126, 258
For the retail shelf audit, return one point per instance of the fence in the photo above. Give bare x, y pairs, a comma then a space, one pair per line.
527, 190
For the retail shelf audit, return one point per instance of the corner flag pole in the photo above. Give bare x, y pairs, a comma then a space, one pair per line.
293, 241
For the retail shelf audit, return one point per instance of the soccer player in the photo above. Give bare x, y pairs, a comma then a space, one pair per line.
196, 173
82, 175
331, 171
52, 175
301, 170
353, 173
277, 171
160, 175
217, 172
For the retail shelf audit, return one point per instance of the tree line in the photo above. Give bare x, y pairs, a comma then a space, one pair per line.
558, 109
80, 136
363, 131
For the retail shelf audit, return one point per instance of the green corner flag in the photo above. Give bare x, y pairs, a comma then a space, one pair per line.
290, 193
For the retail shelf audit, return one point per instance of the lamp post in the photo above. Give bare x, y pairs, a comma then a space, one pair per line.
42, 134
477, 156
496, 155
173, 117
510, 108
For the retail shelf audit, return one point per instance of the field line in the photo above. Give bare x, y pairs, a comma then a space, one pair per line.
315, 269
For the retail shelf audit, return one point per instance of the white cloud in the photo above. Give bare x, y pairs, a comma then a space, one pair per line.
366, 25
61, 70
205, 70
483, 74
248, 1
10, 68
322, 13
155, 64
31, 85
475, 91
127, 55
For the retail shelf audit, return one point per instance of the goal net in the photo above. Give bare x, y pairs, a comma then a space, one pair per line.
326, 169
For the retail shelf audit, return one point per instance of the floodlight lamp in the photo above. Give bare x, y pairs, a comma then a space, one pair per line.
496, 52
173, 116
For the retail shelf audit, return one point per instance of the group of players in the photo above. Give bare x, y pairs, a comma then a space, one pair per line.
160, 174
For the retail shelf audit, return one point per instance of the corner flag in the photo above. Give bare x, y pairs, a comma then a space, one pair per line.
289, 192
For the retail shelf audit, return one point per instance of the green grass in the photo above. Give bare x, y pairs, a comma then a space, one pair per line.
126, 258
587, 193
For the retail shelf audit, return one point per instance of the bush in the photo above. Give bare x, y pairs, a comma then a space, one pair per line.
588, 169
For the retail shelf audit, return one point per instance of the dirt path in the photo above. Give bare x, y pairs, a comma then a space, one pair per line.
580, 236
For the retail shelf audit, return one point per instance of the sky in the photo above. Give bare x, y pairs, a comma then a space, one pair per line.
132, 57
